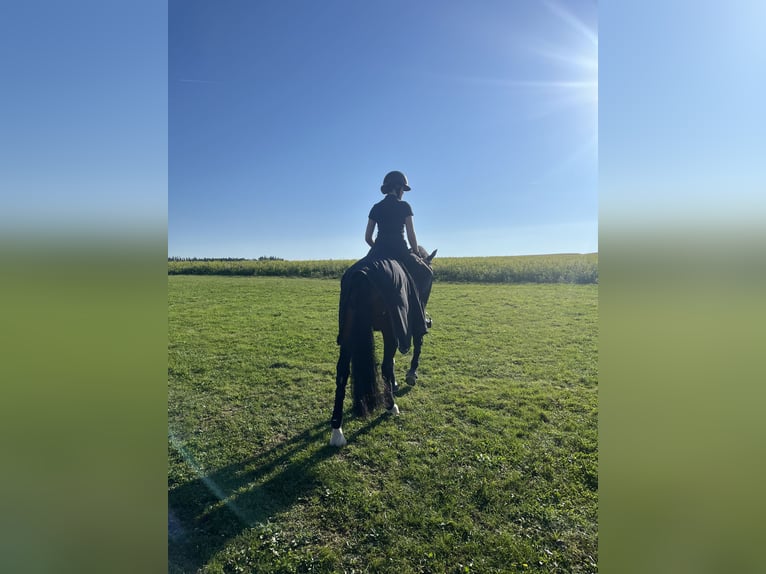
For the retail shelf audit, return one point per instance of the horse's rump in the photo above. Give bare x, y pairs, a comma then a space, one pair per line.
399, 295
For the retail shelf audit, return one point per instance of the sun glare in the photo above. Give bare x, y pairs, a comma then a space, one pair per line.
577, 53
566, 53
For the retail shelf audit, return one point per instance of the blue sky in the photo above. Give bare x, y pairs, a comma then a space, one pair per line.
285, 116
245, 133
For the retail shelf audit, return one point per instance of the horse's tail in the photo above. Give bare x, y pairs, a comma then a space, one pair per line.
364, 373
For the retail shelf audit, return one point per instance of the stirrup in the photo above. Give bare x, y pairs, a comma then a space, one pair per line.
429, 321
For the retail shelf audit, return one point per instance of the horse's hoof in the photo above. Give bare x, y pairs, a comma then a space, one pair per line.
337, 438
411, 378
394, 410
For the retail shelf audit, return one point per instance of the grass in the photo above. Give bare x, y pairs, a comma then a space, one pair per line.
492, 466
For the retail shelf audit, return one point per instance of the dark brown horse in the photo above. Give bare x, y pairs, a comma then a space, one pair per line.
366, 306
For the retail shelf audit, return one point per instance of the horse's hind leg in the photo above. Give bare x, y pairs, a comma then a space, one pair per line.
412, 374
387, 370
341, 379
387, 366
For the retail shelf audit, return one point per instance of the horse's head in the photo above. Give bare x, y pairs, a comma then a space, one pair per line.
424, 254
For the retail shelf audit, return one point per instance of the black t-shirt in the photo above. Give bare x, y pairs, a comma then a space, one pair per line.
390, 214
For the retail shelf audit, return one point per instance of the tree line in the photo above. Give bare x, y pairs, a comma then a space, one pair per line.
261, 258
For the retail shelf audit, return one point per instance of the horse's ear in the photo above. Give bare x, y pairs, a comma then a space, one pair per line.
431, 257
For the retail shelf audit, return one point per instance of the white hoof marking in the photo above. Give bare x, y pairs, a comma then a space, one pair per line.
394, 410
337, 438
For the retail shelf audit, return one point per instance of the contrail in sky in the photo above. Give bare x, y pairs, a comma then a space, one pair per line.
192, 81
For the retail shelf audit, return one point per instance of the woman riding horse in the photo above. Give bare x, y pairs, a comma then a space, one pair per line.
387, 291
393, 216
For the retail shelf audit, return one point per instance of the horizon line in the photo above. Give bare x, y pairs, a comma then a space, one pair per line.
276, 258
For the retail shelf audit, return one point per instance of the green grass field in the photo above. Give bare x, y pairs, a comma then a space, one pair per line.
491, 467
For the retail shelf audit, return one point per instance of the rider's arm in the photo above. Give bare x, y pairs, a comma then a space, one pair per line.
411, 234
368, 232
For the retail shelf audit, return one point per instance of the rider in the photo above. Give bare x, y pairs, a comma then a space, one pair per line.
393, 217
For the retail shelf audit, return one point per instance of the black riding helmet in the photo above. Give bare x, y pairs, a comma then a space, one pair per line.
394, 179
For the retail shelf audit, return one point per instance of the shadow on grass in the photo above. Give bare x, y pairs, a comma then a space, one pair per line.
206, 513
403, 390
